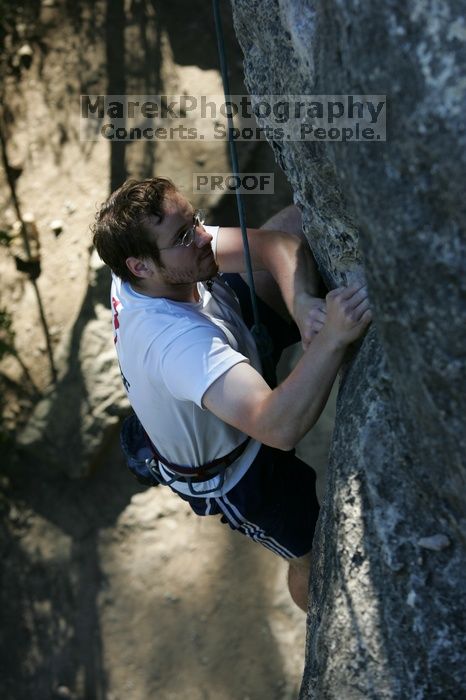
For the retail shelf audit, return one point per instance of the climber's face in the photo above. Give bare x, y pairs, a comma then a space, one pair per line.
184, 245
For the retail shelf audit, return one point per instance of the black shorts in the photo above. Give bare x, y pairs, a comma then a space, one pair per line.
275, 502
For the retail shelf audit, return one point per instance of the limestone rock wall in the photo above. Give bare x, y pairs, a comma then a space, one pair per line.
388, 594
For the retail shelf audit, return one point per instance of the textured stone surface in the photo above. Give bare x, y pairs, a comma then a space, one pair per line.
75, 421
387, 613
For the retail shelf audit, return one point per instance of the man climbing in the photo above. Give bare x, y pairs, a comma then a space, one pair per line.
221, 437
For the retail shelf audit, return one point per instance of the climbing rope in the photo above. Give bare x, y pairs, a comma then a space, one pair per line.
258, 330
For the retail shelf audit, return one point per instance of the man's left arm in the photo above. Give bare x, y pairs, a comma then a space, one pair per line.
289, 260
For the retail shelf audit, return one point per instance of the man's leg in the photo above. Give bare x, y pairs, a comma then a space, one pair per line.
288, 220
298, 580
275, 505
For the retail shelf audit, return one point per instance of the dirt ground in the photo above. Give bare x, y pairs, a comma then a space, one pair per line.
113, 592
109, 591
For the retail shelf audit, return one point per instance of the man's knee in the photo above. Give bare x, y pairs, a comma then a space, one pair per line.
288, 219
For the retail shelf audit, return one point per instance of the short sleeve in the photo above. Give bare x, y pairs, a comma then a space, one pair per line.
195, 359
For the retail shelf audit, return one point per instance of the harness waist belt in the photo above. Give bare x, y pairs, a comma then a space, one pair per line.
204, 472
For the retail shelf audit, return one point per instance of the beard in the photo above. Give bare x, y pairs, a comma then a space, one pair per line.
201, 271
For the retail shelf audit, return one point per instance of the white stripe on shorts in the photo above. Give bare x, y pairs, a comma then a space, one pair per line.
251, 530
224, 508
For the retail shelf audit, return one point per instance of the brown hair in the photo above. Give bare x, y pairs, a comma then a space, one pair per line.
120, 230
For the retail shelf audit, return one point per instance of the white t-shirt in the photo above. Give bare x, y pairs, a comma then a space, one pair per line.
170, 352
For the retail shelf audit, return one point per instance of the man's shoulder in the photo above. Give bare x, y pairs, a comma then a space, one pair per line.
171, 322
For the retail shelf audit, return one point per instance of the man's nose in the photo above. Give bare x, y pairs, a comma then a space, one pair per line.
202, 237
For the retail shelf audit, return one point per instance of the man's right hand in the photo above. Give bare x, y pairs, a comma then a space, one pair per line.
282, 416
348, 314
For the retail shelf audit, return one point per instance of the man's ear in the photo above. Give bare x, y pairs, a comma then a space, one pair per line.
140, 267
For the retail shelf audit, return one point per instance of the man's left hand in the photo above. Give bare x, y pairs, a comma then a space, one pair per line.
310, 314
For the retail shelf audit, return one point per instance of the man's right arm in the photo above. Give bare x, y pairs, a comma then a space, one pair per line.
281, 417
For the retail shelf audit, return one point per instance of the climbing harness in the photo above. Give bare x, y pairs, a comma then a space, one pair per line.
258, 330
145, 462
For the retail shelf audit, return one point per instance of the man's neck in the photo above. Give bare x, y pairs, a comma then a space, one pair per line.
175, 292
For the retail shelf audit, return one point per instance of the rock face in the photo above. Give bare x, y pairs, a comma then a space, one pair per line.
388, 591
75, 422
